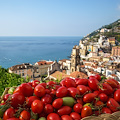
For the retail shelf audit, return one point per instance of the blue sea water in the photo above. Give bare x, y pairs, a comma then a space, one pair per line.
17, 50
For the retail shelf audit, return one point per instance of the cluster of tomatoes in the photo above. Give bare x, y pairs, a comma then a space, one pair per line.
71, 99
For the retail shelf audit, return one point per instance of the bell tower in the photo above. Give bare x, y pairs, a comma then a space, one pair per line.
75, 59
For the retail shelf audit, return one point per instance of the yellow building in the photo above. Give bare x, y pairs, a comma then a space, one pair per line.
111, 40
106, 59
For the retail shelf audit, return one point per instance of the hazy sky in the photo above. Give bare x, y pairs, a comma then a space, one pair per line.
56, 17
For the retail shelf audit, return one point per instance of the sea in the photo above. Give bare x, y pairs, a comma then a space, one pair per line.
18, 50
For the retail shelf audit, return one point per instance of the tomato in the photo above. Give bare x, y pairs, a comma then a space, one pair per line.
6, 96
70, 103
37, 106
69, 82
53, 116
17, 90
26, 89
47, 91
43, 84
51, 83
83, 89
17, 99
106, 88
57, 103
39, 90
47, 99
91, 77
9, 113
24, 115
30, 99
30, 83
48, 108
80, 100
82, 82
96, 92
35, 83
89, 97
73, 92
61, 92
65, 110
106, 110
117, 95
75, 116
112, 83
103, 97
99, 103
77, 107
113, 105
86, 111
66, 117
93, 83
13, 118
62, 83
115, 81
98, 77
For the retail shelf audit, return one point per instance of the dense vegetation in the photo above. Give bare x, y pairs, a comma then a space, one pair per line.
8, 80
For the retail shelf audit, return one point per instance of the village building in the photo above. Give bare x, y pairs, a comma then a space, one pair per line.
111, 40
116, 51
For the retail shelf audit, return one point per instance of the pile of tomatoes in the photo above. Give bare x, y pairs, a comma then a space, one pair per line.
71, 99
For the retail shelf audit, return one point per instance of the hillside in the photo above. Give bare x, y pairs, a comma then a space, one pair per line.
110, 30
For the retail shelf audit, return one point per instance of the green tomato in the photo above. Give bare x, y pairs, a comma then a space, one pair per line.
88, 104
42, 118
68, 101
11, 90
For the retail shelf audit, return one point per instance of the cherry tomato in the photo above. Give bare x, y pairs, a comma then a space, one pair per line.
57, 103
117, 95
106, 110
53, 116
75, 116
69, 82
66, 117
61, 92
17, 90
86, 111
48, 108
98, 77
47, 99
93, 83
43, 84
65, 110
73, 92
89, 97
35, 83
17, 99
26, 89
6, 96
13, 118
103, 97
83, 89
37, 106
82, 82
112, 83
30, 99
9, 113
115, 81
39, 90
99, 103
77, 107
24, 115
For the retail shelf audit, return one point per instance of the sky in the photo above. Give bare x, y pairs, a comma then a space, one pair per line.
56, 17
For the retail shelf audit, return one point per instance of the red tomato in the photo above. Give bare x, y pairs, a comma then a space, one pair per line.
83, 89
47, 99
99, 103
39, 90
35, 83
103, 97
26, 89
13, 118
113, 105
62, 83
57, 103
91, 77
69, 82
98, 77
96, 92
47, 91
86, 111
6, 96
37, 106
75, 116
9, 113
30, 83
66, 117
53, 116
80, 100
117, 95
73, 92
77, 107
112, 83
17, 90
106, 110
48, 108
24, 115
65, 110
61, 92
43, 84
93, 83
51, 83
115, 81
82, 82
17, 99
89, 97
30, 99
106, 88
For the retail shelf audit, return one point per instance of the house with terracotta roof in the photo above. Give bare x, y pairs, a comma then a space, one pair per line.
111, 40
